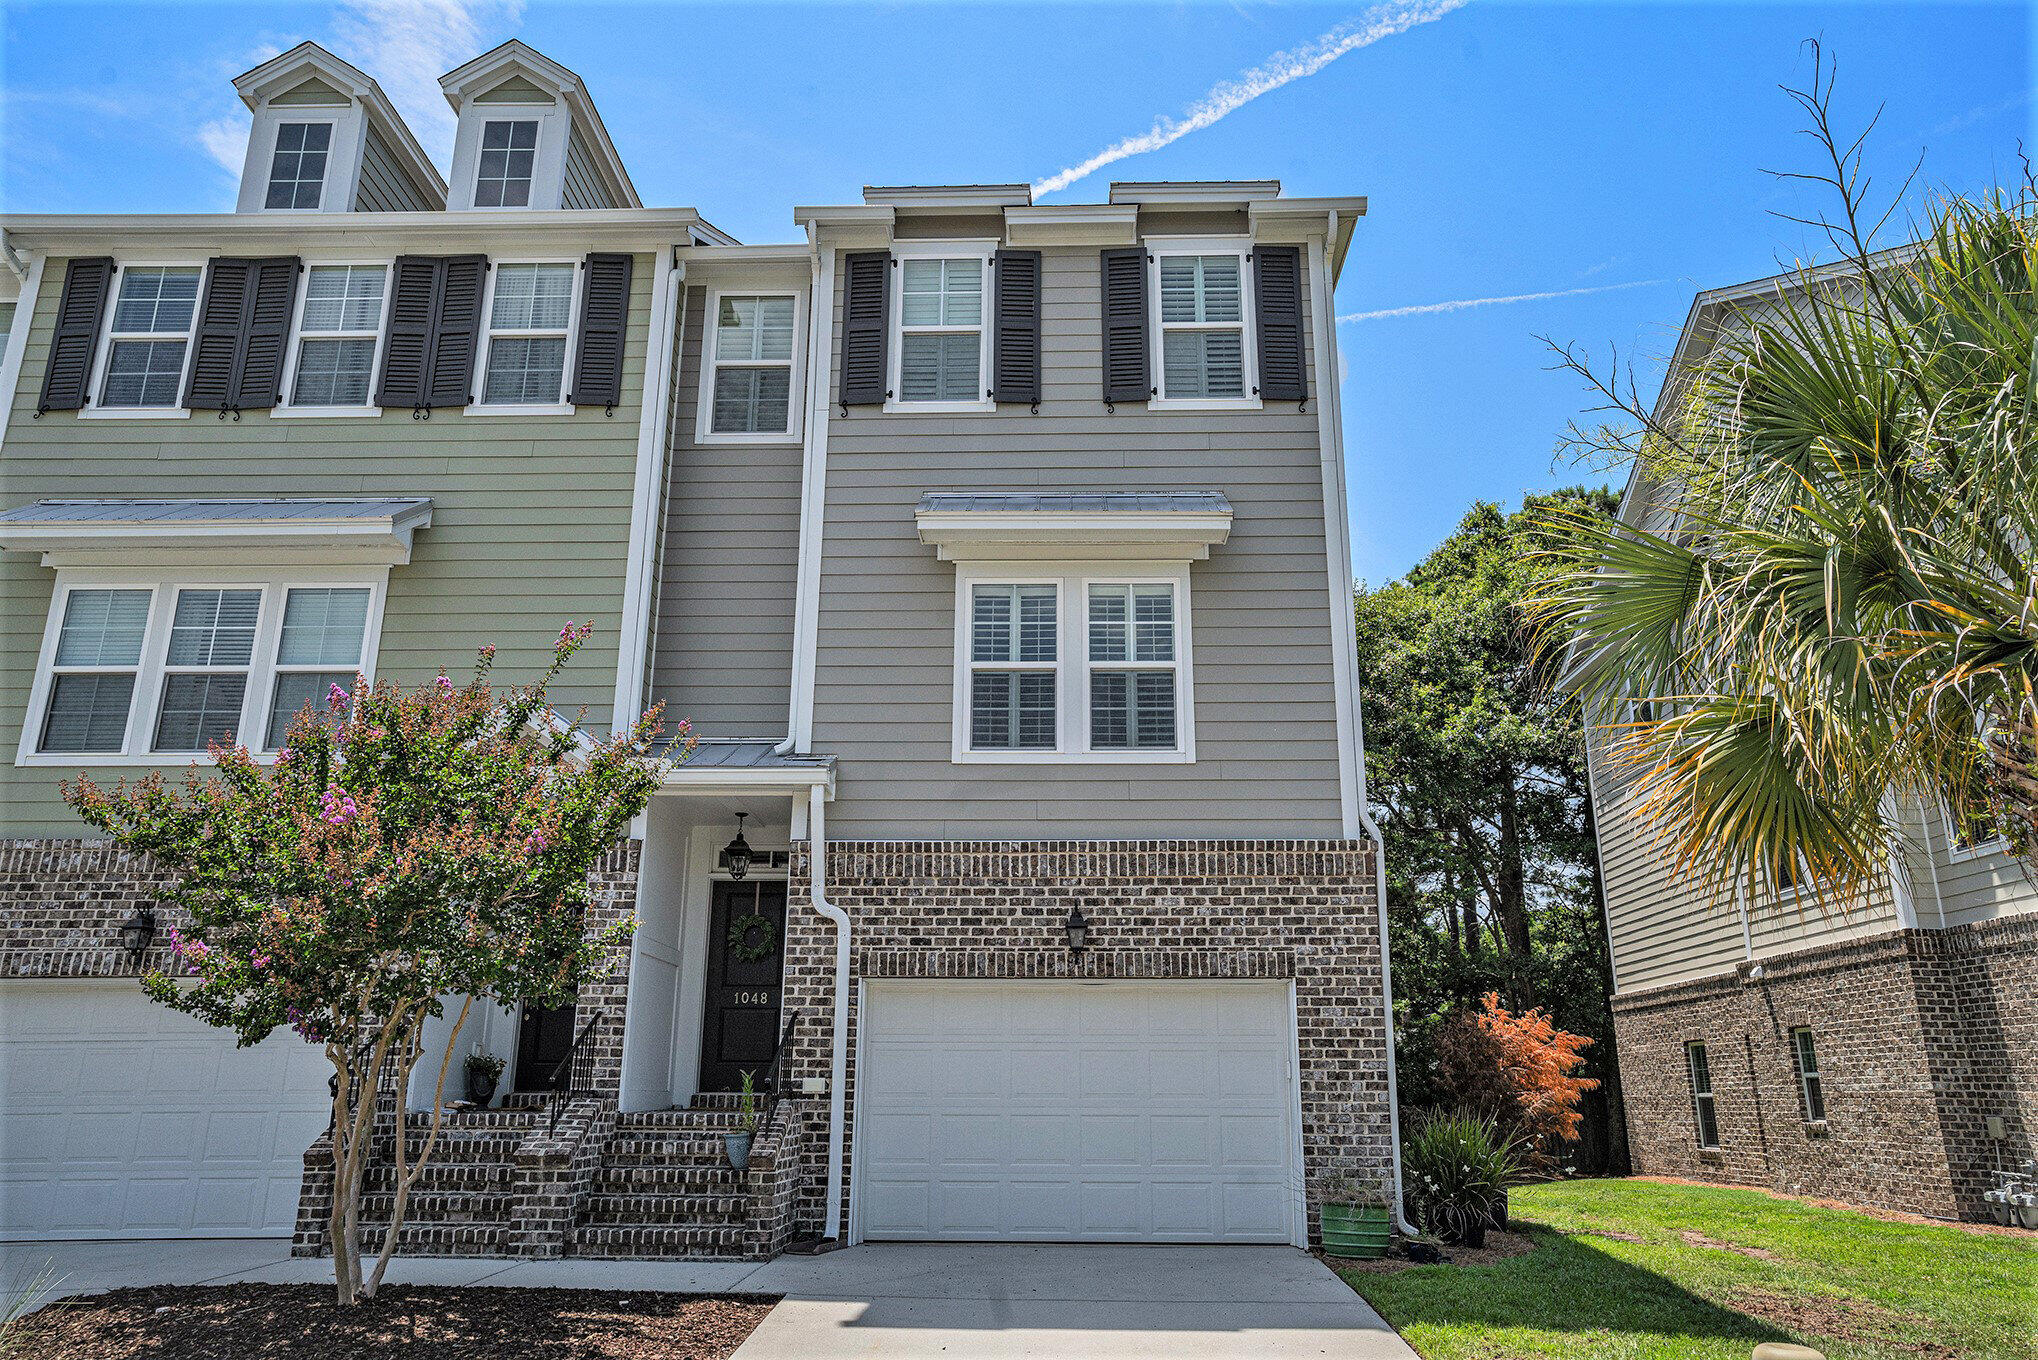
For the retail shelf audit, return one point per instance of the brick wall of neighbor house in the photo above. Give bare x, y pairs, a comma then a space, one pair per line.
1920, 1036
62, 903
1156, 909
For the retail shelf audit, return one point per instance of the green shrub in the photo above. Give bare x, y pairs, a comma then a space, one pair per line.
1456, 1169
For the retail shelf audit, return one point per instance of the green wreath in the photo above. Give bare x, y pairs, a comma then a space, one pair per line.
752, 937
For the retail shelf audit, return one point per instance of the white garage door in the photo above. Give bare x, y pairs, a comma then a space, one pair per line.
123, 1118
1064, 1112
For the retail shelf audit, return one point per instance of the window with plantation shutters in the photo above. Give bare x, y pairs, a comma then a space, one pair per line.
243, 326
1015, 326
1277, 297
866, 325
604, 324
1200, 305
1127, 363
320, 647
98, 655
80, 312
205, 671
940, 356
434, 330
1132, 666
749, 371
1015, 672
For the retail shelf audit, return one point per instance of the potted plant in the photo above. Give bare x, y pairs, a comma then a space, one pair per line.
484, 1070
737, 1144
1355, 1220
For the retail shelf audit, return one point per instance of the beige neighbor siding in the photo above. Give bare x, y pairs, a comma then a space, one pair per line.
384, 187
583, 186
1963, 887
1266, 733
1664, 930
530, 522
724, 648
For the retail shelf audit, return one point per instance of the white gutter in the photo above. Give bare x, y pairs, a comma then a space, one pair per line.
1344, 633
813, 492
817, 851
633, 647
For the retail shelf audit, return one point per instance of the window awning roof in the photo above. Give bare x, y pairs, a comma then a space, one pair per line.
80, 532
968, 526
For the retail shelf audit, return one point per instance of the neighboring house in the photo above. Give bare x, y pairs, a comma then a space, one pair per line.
1886, 1055
997, 552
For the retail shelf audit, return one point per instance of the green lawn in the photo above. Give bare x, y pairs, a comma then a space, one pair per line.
1850, 1285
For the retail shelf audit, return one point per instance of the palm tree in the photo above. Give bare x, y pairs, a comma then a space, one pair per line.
1819, 611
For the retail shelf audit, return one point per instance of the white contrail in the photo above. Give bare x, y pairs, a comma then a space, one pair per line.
1384, 21
1431, 308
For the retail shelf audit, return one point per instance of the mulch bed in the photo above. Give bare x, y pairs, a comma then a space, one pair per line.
1499, 1247
302, 1322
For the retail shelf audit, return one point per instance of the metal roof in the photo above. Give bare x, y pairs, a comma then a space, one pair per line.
249, 512
721, 753
1074, 502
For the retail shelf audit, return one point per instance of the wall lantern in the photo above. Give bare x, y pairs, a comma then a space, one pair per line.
138, 932
736, 854
1078, 928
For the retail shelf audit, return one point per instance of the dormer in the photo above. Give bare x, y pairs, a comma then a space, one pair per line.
326, 139
529, 137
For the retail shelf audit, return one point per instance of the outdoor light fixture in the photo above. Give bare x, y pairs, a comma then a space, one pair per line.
1078, 929
736, 854
138, 932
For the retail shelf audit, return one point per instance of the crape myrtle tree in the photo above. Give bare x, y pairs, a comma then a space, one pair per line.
406, 850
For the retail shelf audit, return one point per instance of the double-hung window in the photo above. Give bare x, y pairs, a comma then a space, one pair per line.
529, 320
91, 686
205, 670
750, 372
1809, 1084
940, 350
1703, 1111
320, 647
150, 332
1201, 303
1014, 666
509, 150
297, 172
338, 331
1132, 666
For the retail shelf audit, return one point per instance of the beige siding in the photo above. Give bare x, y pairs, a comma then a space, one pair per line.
1266, 734
1964, 887
723, 656
384, 187
583, 186
312, 91
531, 519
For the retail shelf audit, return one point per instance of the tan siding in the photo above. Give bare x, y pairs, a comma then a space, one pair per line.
1266, 734
384, 187
1965, 887
531, 521
583, 186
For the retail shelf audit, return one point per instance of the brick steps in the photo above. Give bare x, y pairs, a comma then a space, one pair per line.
440, 1239
655, 1242
436, 1206
623, 1210
683, 1178
653, 1150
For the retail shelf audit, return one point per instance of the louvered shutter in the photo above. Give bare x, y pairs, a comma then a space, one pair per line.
1277, 296
1127, 370
1015, 355
866, 318
80, 311
413, 308
272, 297
604, 317
215, 346
456, 331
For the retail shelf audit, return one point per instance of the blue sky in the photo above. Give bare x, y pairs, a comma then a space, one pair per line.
1507, 149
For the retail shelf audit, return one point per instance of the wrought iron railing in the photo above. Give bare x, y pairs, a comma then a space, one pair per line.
571, 1074
769, 1086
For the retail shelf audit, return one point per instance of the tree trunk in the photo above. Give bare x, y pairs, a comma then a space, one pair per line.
1511, 902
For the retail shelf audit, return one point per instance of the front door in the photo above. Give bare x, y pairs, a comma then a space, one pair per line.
544, 1038
746, 966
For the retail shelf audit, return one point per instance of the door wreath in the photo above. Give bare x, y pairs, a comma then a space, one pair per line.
752, 937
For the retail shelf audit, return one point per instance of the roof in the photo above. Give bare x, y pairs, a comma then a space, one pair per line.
744, 764
370, 529
1003, 526
250, 512
748, 753
273, 76
1074, 502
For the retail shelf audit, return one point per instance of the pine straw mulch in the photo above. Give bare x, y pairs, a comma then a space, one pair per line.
302, 1322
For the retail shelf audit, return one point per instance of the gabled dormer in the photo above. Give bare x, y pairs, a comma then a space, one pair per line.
326, 139
529, 137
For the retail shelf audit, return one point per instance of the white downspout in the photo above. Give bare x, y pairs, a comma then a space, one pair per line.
647, 495
1352, 755
813, 493
817, 858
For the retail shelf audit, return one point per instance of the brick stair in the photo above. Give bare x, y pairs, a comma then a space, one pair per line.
460, 1202
665, 1188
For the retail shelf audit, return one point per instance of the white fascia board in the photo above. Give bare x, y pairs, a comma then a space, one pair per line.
385, 540
488, 230
948, 196
716, 780
1195, 193
850, 225
1167, 536
1080, 224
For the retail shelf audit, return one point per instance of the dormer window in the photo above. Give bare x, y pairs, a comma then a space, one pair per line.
509, 150
297, 172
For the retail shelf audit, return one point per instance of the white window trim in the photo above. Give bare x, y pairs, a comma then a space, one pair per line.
489, 334
1805, 1078
93, 410
1072, 583
1160, 246
148, 686
548, 160
1956, 853
325, 184
895, 342
704, 414
1692, 1047
285, 409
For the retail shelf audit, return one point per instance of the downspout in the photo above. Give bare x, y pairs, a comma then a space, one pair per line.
817, 858
1352, 753
647, 499
813, 490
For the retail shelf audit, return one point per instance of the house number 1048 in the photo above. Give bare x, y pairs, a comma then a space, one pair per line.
753, 998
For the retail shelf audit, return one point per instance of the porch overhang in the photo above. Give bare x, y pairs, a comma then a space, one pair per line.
1150, 526
368, 531
721, 766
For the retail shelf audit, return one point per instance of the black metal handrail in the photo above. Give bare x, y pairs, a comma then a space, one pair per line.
770, 1083
564, 1068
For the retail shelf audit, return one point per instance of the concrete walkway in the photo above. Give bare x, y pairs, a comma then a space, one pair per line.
898, 1300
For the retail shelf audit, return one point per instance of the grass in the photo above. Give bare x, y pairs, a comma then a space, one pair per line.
1852, 1286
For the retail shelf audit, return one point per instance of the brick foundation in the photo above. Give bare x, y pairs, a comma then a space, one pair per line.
1921, 1036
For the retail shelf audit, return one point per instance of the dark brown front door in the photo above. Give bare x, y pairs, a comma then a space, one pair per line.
544, 1038
746, 967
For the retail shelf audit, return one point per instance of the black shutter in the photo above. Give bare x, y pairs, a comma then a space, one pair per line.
272, 298
1277, 296
79, 314
216, 343
866, 316
1127, 372
604, 317
456, 331
413, 307
1015, 328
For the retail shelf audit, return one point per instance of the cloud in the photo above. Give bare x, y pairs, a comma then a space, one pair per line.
1432, 308
1282, 68
408, 44
226, 141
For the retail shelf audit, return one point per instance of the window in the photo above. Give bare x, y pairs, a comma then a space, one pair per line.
151, 327
337, 334
1132, 667
502, 176
139, 672
1201, 305
530, 314
297, 172
1701, 1095
941, 331
751, 379
1808, 1076
1014, 671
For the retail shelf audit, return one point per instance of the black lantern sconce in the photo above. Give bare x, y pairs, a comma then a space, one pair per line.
736, 854
1078, 928
138, 932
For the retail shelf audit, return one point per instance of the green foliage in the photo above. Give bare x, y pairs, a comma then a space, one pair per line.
1456, 1170
485, 1065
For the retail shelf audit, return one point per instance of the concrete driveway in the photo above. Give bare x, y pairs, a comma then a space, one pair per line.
897, 1300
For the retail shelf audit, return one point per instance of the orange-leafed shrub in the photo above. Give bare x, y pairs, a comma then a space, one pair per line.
1520, 1069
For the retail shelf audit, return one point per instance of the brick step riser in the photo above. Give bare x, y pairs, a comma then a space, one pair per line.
656, 1243
656, 1180
438, 1208
677, 1121
522, 1120
462, 1239
465, 1179
679, 1210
